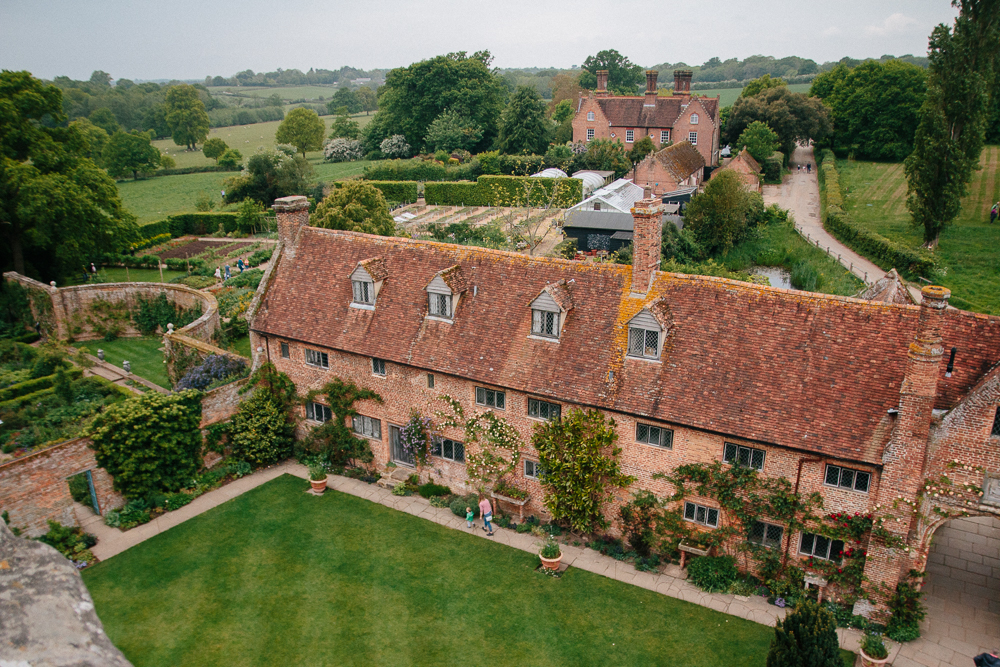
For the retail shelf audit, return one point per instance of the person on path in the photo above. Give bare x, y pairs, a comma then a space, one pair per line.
239, 264
994, 212
486, 509
218, 273
991, 659
228, 274
809, 168
469, 516
93, 269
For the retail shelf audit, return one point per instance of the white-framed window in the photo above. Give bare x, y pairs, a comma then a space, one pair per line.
694, 119
491, 398
664, 136
448, 449
693, 138
531, 469
819, 546
430, 380
629, 136
378, 366
364, 292
367, 427
440, 304
847, 478
706, 516
543, 410
317, 358
590, 115
318, 412
544, 323
744, 456
643, 343
285, 352
590, 133
765, 534
648, 434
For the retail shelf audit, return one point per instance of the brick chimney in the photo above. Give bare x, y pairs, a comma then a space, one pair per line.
602, 83
682, 81
647, 235
651, 75
293, 215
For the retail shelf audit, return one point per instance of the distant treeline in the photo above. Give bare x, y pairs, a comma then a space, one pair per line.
294, 77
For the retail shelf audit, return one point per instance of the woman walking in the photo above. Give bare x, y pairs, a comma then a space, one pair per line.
486, 509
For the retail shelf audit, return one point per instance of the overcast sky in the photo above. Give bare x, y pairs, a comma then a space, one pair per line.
189, 39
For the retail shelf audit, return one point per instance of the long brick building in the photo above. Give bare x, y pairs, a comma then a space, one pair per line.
854, 400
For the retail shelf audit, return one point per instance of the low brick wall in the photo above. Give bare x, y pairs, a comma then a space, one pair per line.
221, 403
35, 488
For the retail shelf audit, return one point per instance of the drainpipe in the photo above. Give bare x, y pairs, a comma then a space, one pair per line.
798, 478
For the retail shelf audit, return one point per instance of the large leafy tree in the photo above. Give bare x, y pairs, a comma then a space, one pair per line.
793, 117
624, 76
606, 155
58, 209
186, 116
760, 84
874, 107
720, 216
452, 131
130, 153
214, 148
151, 443
262, 431
345, 98
268, 175
344, 127
355, 206
303, 129
96, 137
524, 129
953, 117
759, 140
414, 96
367, 98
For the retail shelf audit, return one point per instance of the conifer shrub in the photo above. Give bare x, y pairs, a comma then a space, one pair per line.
807, 637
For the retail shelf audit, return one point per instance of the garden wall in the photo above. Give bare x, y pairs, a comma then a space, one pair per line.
35, 489
221, 403
183, 352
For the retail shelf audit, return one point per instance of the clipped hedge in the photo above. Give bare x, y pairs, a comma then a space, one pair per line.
887, 254
31, 386
397, 191
506, 191
152, 261
21, 401
454, 193
189, 223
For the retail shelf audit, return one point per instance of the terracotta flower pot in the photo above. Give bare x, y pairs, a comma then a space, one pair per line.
868, 661
551, 563
319, 486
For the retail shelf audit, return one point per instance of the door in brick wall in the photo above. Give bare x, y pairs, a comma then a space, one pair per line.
399, 455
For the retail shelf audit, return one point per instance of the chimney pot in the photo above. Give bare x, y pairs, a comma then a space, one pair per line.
682, 81
651, 75
602, 82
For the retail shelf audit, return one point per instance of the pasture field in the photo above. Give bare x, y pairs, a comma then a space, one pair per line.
153, 199
312, 93
969, 249
727, 96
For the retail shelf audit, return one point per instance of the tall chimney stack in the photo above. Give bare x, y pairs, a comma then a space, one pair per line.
602, 83
647, 235
293, 215
682, 81
651, 93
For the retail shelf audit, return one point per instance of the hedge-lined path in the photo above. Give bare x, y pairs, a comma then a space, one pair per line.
799, 194
118, 376
112, 541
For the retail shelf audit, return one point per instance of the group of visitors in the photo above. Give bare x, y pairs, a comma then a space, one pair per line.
226, 274
486, 509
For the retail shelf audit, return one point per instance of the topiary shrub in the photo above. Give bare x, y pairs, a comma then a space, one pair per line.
807, 637
714, 574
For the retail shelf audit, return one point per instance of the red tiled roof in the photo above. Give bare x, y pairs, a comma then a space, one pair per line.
633, 112
375, 268
791, 368
559, 292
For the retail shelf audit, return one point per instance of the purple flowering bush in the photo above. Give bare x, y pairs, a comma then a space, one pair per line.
215, 367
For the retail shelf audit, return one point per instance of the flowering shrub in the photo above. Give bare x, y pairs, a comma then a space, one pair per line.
342, 150
215, 367
416, 436
854, 526
395, 147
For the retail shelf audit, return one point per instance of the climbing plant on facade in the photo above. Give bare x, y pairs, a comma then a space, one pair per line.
493, 446
333, 442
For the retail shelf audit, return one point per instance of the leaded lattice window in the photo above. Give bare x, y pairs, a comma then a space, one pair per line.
706, 516
440, 305
543, 410
766, 534
847, 478
819, 546
491, 398
451, 450
364, 292
643, 343
544, 323
654, 435
744, 456
369, 427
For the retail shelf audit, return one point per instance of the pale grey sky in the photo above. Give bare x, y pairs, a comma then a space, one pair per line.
189, 39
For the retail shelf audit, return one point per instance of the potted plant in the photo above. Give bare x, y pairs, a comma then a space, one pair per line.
317, 478
550, 554
873, 650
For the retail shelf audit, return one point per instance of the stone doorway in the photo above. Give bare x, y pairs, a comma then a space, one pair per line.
962, 589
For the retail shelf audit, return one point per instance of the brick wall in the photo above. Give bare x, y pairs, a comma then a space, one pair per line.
221, 403
35, 488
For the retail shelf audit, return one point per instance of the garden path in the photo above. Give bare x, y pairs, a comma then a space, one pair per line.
118, 376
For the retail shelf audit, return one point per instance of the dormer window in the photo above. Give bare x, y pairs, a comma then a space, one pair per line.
440, 305
648, 330
549, 309
366, 280
694, 119
444, 293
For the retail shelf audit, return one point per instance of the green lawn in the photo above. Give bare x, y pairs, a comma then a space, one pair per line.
728, 96
153, 199
143, 354
875, 196
280, 577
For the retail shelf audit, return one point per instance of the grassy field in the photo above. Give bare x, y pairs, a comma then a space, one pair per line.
969, 249
311, 93
143, 354
153, 199
279, 577
727, 96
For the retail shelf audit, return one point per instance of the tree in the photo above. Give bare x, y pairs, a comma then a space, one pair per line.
344, 97
186, 116
262, 431
303, 129
761, 84
130, 153
104, 119
607, 155
624, 76
368, 99
566, 87
563, 111
269, 175
953, 117
759, 140
524, 129
95, 137
414, 96
57, 208
151, 443
231, 159
807, 637
355, 206
792, 116
451, 131
214, 148
344, 127
578, 455
719, 216
640, 150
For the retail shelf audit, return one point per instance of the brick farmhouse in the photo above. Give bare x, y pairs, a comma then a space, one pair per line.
854, 400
